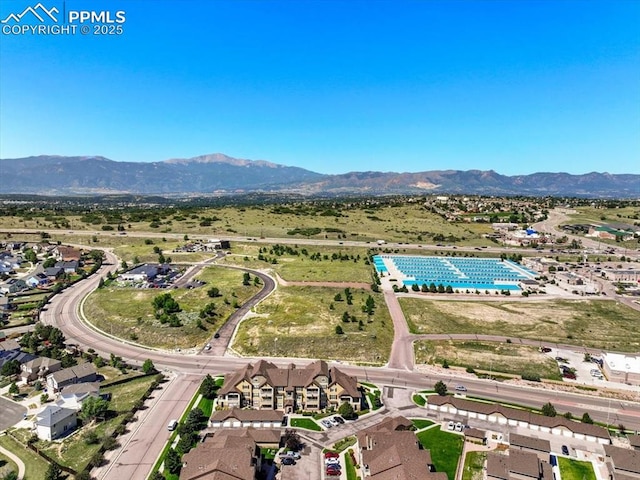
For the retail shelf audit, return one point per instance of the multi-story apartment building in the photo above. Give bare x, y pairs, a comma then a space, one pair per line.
311, 388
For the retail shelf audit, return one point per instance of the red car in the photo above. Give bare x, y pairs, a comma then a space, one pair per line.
331, 455
333, 472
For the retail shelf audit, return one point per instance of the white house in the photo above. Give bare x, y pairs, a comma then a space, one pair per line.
54, 421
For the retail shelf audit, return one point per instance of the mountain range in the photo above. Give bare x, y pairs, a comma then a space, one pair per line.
220, 174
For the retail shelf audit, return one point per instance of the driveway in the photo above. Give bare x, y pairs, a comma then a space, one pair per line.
10, 413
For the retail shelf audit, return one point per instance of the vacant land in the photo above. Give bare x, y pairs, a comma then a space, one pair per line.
590, 323
445, 449
575, 469
304, 263
128, 312
490, 356
302, 321
387, 219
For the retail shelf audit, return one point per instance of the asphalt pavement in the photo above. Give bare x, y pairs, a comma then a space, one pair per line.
10, 413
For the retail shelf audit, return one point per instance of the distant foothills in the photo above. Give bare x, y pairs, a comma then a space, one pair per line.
218, 174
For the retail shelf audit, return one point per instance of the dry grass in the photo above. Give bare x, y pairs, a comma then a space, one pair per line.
597, 324
298, 322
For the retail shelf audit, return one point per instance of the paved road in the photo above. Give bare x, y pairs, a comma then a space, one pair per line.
10, 413
401, 356
16, 460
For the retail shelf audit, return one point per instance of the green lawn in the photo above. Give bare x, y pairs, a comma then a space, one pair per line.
445, 448
307, 423
128, 312
511, 358
6, 466
419, 400
473, 465
591, 323
206, 405
575, 469
125, 395
301, 322
36, 466
420, 423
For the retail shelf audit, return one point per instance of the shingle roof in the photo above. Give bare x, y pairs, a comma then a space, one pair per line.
624, 459
52, 414
531, 443
247, 415
520, 415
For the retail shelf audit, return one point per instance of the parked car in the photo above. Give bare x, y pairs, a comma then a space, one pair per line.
332, 461
292, 454
326, 423
331, 455
339, 419
332, 473
565, 450
545, 349
207, 346
458, 427
333, 421
450, 426
288, 461
333, 469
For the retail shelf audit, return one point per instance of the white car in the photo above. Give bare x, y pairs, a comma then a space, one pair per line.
334, 422
458, 427
332, 461
450, 426
326, 423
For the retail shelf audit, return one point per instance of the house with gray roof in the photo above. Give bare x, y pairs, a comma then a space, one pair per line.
623, 463
39, 368
54, 421
85, 372
517, 465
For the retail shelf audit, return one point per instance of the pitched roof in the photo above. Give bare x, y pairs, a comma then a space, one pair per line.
518, 414
634, 441
52, 414
497, 465
624, 459
531, 443
42, 363
243, 415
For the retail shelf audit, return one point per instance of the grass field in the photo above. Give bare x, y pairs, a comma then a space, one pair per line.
473, 466
393, 221
35, 466
128, 313
307, 423
496, 356
6, 466
590, 323
300, 322
445, 448
575, 469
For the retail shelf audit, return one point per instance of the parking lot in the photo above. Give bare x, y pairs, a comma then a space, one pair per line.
587, 373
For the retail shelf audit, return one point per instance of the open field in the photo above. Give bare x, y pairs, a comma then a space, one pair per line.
575, 469
128, 312
590, 323
35, 466
490, 356
301, 322
389, 220
305, 263
445, 448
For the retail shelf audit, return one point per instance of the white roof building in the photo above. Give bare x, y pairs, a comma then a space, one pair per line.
622, 368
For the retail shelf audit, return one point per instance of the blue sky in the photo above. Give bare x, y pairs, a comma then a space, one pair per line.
334, 85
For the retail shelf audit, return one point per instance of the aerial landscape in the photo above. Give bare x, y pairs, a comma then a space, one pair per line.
319, 240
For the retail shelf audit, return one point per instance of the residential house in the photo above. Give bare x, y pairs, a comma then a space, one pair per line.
390, 450
38, 280
634, 441
39, 368
237, 417
539, 446
9, 345
623, 463
64, 253
13, 285
503, 415
9, 352
85, 372
228, 455
311, 388
72, 396
70, 266
54, 421
518, 465
53, 273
